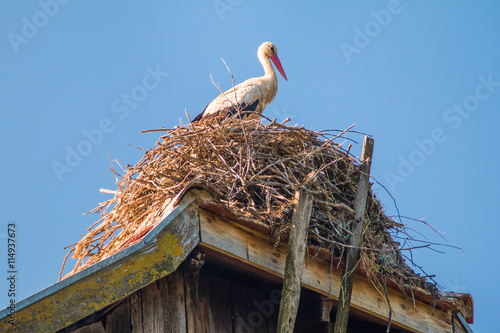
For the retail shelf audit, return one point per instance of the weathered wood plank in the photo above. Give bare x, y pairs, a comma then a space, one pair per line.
163, 307
221, 238
152, 311
352, 258
197, 303
208, 303
172, 302
136, 312
297, 240
118, 321
258, 252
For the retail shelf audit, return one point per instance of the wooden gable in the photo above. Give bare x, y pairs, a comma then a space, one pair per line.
144, 288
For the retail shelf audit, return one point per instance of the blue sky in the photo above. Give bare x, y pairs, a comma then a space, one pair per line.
80, 81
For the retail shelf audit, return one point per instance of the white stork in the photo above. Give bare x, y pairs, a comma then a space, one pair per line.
251, 96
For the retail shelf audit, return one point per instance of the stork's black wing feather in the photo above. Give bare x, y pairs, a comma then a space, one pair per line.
230, 110
233, 110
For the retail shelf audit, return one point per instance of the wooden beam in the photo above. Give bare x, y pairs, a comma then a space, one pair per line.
353, 253
239, 247
297, 240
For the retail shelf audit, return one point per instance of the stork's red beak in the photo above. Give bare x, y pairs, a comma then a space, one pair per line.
277, 63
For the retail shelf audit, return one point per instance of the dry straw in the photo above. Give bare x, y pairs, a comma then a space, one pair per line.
257, 168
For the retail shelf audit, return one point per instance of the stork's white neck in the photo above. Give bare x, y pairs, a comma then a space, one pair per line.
266, 63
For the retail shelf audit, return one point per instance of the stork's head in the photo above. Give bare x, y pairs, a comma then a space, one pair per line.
269, 50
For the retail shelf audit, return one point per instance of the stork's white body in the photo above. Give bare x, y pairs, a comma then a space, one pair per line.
250, 97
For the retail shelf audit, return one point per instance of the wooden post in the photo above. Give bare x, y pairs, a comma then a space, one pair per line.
353, 252
290, 294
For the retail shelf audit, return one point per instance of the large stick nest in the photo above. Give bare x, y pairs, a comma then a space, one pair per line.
257, 168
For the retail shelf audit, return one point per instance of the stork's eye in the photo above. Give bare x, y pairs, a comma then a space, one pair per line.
272, 50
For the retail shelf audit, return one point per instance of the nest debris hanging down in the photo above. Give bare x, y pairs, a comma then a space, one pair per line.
257, 168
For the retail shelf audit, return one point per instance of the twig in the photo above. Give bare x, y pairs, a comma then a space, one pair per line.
102, 190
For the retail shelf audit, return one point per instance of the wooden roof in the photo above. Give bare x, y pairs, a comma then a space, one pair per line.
197, 219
